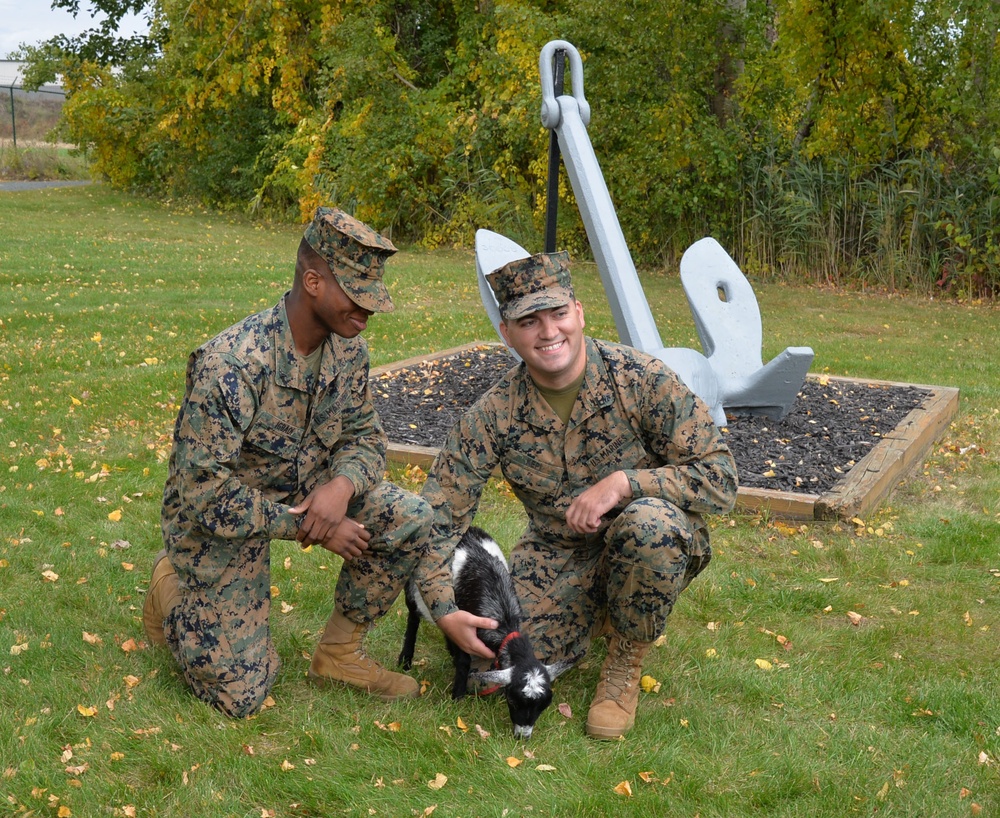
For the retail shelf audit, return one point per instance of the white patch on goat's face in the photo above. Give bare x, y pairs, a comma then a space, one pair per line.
535, 685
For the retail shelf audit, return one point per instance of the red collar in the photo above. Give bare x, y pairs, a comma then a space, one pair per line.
496, 663
506, 641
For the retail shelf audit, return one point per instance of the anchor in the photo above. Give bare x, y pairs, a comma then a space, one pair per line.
728, 376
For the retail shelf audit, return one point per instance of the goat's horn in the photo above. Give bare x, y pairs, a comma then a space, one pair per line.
559, 668
492, 677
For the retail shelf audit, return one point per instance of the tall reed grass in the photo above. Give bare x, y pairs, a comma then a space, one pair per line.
38, 162
907, 224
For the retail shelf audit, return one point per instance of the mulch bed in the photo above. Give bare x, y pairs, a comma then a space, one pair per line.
829, 429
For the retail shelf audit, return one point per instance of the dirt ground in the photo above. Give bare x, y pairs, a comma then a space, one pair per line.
829, 429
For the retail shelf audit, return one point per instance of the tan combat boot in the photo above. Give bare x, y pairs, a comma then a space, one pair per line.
161, 597
340, 657
612, 712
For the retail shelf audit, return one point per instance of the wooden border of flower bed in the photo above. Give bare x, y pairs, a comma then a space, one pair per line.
871, 480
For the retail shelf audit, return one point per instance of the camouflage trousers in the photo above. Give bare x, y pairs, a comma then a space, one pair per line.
219, 632
630, 573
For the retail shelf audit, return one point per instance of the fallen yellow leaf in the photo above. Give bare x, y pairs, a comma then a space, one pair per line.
513, 762
439, 781
88, 711
624, 789
763, 664
649, 684
115, 515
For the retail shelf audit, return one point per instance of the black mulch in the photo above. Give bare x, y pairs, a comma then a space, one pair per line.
830, 428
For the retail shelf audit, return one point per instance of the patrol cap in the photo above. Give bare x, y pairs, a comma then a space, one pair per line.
526, 285
356, 255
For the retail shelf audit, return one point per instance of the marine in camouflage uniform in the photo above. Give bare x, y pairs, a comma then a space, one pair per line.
615, 489
274, 443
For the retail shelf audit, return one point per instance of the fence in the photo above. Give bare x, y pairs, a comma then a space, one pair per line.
30, 114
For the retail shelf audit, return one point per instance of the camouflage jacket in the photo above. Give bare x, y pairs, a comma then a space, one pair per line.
257, 431
632, 413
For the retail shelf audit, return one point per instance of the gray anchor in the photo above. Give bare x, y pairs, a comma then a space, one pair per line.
568, 116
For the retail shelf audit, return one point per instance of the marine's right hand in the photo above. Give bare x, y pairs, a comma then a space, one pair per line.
348, 540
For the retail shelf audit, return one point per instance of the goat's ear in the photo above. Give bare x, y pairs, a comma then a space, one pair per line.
492, 677
559, 668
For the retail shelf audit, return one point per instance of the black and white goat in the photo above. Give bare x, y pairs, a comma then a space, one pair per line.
483, 586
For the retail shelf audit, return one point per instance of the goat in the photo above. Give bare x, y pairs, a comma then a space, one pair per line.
483, 586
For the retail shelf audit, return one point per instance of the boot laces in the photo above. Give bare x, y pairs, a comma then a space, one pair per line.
619, 668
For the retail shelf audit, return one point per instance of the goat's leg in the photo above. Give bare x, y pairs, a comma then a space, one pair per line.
405, 660
463, 664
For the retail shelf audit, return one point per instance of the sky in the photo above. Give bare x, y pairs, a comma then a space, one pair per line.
32, 21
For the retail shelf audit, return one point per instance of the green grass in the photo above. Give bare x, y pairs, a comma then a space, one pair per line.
103, 299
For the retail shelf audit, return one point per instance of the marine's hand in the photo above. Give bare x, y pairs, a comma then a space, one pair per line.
349, 540
585, 512
324, 508
460, 627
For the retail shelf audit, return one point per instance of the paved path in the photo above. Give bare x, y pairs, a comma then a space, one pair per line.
14, 186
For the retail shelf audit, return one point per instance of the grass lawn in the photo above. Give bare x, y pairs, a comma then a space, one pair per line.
829, 669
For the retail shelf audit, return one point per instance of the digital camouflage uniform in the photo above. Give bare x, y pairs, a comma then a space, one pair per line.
256, 433
632, 414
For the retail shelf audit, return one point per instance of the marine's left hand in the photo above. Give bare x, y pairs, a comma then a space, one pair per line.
324, 507
585, 512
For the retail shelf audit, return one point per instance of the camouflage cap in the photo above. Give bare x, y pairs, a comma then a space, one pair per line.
356, 255
539, 282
